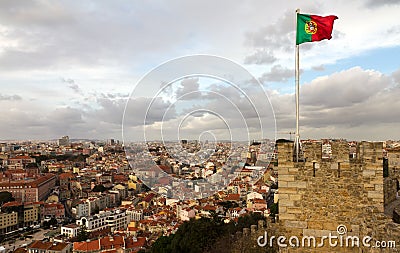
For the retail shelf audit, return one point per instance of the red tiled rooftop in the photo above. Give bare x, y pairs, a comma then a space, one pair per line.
87, 246
12, 203
138, 243
72, 225
209, 208
232, 197
58, 246
66, 175
149, 197
40, 245
20, 250
109, 242
20, 157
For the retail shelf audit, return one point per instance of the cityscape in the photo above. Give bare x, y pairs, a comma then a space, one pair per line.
84, 196
199, 126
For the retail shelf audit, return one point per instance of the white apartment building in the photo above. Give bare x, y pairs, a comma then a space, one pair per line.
70, 230
134, 214
94, 222
81, 210
114, 219
117, 219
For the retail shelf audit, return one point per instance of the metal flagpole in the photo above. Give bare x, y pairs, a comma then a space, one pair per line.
297, 78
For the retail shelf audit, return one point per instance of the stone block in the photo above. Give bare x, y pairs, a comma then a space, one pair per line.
283, 171
317, 233
289, 190
287, 216
282, 184
315, 225
375, 195
283, 196
295, 224
286, 202
368, 173
377, 180
330, 226
295, 196
293, 210
288, 178
297, 184
379, 187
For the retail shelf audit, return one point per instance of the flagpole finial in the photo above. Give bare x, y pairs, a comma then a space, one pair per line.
297, 10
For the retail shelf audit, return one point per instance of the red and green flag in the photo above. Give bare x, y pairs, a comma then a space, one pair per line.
312, 28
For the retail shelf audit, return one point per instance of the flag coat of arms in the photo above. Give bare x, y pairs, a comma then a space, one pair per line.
312, 28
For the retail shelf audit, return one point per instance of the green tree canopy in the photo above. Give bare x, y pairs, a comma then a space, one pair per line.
99, 188
203, 235
5, 197
82, 235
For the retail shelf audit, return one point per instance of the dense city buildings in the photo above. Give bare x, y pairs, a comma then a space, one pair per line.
87, 193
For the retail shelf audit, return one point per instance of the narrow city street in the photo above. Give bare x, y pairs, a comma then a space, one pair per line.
11, 246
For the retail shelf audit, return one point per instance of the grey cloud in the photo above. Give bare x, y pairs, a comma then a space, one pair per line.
99, 33
274, 36
277, 74
117, 95
35, 125
269, 39
344, 88
377, 3
65, 117
348, 104
10, 97
260, 57
188, 89
319, 68
393, 30
146, 110
72, 85
396, 77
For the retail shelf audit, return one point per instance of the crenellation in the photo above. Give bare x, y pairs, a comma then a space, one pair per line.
321, 193
340, 151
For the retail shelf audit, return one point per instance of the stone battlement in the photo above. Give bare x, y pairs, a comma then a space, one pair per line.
318, 194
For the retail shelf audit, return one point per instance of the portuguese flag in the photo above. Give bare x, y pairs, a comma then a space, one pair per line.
312, 28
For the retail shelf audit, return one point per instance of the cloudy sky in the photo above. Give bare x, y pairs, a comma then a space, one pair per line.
69, 68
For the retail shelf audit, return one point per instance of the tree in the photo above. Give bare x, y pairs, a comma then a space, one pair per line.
99, 188
162, 245
204, 235
274, 209
5, 197
247, 220
82, 235
51, 222
96, 209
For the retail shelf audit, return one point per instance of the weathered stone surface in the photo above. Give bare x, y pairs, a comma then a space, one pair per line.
295, 224
297, 184
288, 178
338, 191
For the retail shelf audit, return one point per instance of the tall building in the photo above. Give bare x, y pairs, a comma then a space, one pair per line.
63, 141
30, 190
8, 222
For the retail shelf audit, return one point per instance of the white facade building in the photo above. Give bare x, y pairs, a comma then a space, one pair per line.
70, 230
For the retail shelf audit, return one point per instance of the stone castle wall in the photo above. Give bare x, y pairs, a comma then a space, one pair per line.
318, 195
393, 175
